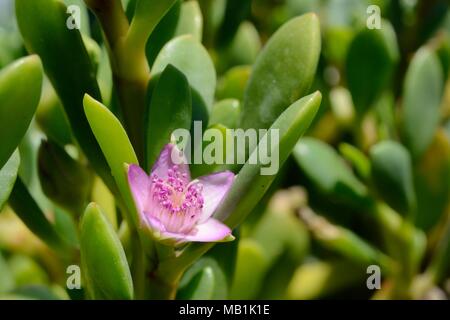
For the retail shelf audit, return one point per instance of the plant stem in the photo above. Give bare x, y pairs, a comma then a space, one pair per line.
131, 72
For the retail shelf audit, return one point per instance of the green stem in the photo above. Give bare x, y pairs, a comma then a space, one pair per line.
131, 72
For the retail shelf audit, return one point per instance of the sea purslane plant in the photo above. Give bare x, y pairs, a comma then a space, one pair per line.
154, 149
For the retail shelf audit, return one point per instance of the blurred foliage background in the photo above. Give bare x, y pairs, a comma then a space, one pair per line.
369, 185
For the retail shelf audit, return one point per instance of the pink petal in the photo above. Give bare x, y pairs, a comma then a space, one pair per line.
169, 157
155, 224
139, 185
211, 230
215, 188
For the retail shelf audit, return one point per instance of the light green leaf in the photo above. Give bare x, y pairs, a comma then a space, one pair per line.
329, 173
190, 57
8, 175
32, 216
68, 66
170, 109
423, 89
191, 20
115, 145
163, 32
283, 71
250, 185
226, 113
103, 258
20, 90
370, 63
251, 267
392, 175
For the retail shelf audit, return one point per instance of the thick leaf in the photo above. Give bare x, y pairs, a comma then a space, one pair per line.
320, 279
250, 270
32, 216
280, 232
233, 82
170, 109
51, 118
243, 50
226, 113
204, 280
63, 179
370, 63
283, 71
250, 185
201, 287
104, 262
431, 179
236, 11
163, 32
7, 282
191, 58
343, 241
146, 17
422, 98
8, 175
115, 145
68, 66
329, 173
191, 20
357, 158
20, 89
392, 175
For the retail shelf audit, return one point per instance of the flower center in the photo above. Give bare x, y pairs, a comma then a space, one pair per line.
175, 201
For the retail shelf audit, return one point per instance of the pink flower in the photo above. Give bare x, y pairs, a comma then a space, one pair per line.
175, 208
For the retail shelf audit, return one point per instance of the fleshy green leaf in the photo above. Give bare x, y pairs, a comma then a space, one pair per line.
250, 185
370, 63
226, 113
283, 71
204, 280
114, 143
236, 11
68, 66
8, 175
233, 83
191, 20
431, 180
103, 258
163, 32
392, 175
20, 89
170, 109
190, 57
250, 270
357, 158
201, 287
7, 282
320, 279
63, 179
423, 87
328, 172
32, 216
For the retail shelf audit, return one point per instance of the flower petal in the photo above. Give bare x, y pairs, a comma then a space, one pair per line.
169, 157
211, 230
139, 185
215, 187
155, 224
